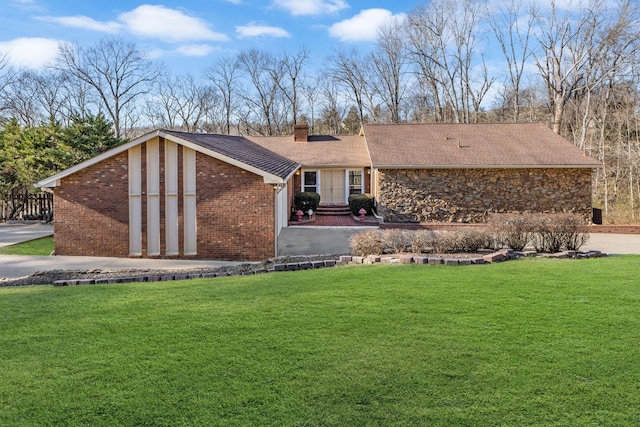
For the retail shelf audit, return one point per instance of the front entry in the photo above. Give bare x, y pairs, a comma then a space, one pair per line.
332, 186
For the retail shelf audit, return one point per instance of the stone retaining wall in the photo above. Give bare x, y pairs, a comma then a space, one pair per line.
469, 195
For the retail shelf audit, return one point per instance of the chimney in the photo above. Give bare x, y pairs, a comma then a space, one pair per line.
300, 133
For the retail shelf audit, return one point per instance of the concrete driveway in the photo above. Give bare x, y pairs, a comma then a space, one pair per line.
17, 232
310, 240
613, 243
16, 266
335, 240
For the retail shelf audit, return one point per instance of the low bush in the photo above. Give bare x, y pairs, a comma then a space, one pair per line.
306, 200
513, 231
554, 232
360, 201
547, 232
395, 241
472, 239
421, 240
366, 243
462, 240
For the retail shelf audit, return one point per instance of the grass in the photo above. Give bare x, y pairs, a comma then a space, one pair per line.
43, 246
532, 342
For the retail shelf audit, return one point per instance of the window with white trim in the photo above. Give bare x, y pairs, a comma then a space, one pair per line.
310, 181
355, 182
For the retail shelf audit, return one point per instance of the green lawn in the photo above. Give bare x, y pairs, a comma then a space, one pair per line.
42, 246
531, 342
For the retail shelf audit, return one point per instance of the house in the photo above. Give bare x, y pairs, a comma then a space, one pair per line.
461, 173
332, 166
177, 194
174, 194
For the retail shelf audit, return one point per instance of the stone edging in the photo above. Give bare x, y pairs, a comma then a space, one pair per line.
499, 256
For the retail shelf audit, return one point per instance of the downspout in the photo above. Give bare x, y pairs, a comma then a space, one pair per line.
276, 214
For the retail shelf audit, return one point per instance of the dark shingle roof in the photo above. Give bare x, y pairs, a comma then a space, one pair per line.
242, 150
471, 145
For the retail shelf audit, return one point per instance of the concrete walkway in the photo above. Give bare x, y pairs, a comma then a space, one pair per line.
309, 240
16, 266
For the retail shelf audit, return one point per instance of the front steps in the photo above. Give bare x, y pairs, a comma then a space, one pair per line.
338, 209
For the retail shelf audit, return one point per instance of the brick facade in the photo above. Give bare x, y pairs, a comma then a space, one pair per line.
91, 210
235, 210
468, 195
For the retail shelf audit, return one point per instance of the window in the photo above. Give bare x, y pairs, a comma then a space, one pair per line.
310, 181
355, 182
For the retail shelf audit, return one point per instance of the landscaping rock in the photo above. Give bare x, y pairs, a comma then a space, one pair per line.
495, 257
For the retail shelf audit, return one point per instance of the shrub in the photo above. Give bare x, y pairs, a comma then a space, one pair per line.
513, 231
359, 201
472, 239
395, 241
366, 243
306, 200
555, 232
421, 240
445, 241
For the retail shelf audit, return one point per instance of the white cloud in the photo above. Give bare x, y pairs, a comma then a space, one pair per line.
194, 49
84, 22
311, 7
167, 24
254, 30
33, 53
365, 25
149, 21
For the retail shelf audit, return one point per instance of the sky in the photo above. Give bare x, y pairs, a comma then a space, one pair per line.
190, 35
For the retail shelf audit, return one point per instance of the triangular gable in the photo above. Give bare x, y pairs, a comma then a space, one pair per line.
283, 170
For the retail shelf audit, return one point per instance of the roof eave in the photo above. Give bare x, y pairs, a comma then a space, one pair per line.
497, 166
54, 180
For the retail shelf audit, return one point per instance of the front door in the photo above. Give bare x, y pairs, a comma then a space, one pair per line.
332, 186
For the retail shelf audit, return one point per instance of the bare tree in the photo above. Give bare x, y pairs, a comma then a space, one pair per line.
582, 47
389, 61
311, 89
334, 111
21, 100
259, 68
444, 43
53, 96
181, 103
224, 75
514, 43
350, 72
290, 68
116, 70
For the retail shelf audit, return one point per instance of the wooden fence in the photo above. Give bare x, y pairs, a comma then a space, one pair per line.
27, 206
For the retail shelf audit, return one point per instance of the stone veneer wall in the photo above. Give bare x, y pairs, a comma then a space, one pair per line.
469, 195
